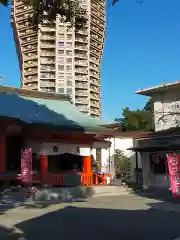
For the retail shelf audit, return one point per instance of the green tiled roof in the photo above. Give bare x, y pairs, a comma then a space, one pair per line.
58, 113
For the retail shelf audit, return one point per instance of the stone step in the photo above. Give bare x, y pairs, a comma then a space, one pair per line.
61, 194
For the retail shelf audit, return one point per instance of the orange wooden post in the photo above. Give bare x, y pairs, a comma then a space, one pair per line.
2, 152
87, 170
44, 167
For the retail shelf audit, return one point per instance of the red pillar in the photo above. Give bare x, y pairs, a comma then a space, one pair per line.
2, 151
87, 164
44, 167
87, 170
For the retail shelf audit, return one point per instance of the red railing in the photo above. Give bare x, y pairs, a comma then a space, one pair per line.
56, 179
86, 178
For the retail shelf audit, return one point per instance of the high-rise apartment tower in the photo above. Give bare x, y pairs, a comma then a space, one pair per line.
59, 59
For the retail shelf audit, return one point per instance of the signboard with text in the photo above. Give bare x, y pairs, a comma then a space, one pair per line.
26, 166
174, 173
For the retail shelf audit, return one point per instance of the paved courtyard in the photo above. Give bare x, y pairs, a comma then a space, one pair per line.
122, 217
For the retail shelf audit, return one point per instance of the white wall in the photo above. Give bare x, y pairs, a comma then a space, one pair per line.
122, 144
167, 110
47, 148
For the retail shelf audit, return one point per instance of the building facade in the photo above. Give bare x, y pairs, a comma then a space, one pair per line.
59, 59
166, 105
155, 147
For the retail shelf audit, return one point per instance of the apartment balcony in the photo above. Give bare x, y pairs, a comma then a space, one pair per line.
48, 89
81, 63
96, 46
81, 70
97, 31
81, 86
94, 111
23, 27
30, 86
47, 46
47, 84
94, 68
96, 38
82, 79
95, 90
28, 42
81, 93
29, 50
81, 47
17, 4
94, 75
31, 80
94, 83
81, 101
29, 73
20, 11
48, 54
82, 32
28, 65
48, 29
81, 40
47, 76
94, 60
83, 109
48, 38
47, 69
27, 58
95, 104
81, 56
95, 53
94, 97
47, 62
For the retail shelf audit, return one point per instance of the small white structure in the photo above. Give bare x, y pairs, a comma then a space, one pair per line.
122, 141
166, 100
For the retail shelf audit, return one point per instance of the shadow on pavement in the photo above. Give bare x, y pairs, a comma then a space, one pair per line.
158, 194
91, 223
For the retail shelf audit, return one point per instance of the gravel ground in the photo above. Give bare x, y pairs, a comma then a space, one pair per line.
122, 217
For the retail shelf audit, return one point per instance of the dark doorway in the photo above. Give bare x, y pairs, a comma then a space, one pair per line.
64, 162
13, 152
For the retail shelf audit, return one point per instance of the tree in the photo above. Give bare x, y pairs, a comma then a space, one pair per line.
140, 119
122, 164
70, 11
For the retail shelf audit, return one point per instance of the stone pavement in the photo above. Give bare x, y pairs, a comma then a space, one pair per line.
115, 217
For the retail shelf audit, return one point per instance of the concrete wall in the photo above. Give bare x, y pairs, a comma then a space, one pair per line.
167, 110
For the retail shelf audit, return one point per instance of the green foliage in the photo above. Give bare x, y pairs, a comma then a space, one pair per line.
70, 11
140, 119
122, 163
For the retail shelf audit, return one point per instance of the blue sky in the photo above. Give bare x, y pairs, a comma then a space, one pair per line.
142, 49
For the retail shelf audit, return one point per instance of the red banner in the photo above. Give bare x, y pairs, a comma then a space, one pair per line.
26, 166
174, 173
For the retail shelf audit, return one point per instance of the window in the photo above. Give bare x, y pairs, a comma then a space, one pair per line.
69, 60
61, 52
69, 44
69, 83
69, 90
61, 82
61, 60
61, 90
61, 67
69, 67
69, 37
60, 43
69, 53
